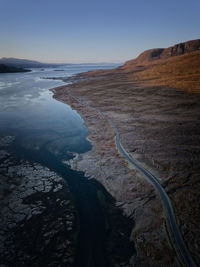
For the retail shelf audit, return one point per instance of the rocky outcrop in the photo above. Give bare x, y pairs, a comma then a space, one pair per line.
180, 49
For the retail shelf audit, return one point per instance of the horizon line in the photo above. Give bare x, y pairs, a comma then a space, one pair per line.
73, 63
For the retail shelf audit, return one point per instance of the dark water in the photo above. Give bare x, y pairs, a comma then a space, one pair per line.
92, 232
49, 132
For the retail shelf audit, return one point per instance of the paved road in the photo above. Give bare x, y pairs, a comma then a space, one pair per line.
170, 217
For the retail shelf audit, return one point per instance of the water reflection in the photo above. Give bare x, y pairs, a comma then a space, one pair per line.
28, 111
48, 132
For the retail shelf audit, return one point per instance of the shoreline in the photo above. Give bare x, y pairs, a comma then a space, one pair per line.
174, 232
100, 156
42, 203
85, 161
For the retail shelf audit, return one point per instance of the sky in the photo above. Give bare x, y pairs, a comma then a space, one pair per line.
80, 31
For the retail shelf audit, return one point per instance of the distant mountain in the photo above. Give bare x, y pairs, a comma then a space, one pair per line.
25, 63
9, 69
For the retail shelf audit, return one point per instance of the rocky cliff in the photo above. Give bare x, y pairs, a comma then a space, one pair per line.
180, 49
164, 53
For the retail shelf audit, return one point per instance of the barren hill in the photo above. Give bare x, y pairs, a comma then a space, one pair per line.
176, 66
161, 53
180, 72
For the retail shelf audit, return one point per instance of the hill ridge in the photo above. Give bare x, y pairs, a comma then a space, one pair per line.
164, 53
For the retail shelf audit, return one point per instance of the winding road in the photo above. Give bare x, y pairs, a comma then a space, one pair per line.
170, 216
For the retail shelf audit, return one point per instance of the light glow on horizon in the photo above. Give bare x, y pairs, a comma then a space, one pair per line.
77, 31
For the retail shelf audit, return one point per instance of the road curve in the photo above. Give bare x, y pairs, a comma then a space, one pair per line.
170, 216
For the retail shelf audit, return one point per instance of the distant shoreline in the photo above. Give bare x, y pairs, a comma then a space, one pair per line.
10, 69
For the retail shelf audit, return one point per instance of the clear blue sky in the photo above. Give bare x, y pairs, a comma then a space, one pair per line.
94, 30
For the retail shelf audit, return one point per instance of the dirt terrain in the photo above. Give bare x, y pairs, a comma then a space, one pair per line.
160, 126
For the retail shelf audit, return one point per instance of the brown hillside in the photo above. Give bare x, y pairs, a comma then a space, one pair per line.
180, 72
176, 66
161, 53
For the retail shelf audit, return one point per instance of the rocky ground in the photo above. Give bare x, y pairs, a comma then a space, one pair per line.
37, 215
160, 127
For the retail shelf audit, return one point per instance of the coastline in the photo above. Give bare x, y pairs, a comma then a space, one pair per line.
134, 195
105, 164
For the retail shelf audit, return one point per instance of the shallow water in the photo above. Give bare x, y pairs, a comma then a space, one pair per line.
49, 132
27, 108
